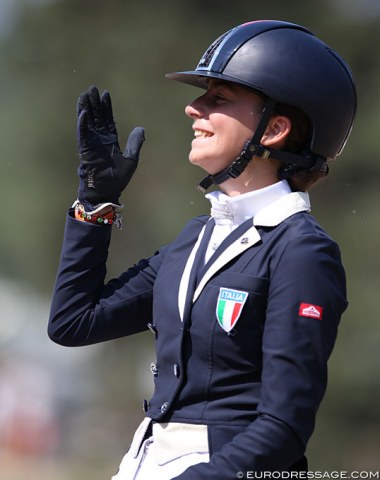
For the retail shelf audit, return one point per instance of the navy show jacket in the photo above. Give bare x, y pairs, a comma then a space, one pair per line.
258, 387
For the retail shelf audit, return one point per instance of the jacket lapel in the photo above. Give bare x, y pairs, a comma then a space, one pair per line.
240, 240
193, 265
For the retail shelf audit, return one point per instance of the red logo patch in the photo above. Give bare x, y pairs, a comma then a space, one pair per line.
309, 310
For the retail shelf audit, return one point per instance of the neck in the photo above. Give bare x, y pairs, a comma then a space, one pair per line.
259, 173
249, 181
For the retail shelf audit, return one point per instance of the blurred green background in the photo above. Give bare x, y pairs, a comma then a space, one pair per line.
70, 413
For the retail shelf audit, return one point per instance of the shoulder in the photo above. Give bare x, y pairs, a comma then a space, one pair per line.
306, 244
195, 225
190, 232
303, 225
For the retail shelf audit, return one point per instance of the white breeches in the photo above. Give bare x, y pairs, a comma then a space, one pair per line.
170, 450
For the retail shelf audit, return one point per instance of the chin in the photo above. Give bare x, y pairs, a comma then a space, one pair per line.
205, 164
196, 161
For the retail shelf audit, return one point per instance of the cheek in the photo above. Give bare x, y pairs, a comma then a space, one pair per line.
235, 136
249, 124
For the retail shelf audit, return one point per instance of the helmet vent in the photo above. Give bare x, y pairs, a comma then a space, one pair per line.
210, 52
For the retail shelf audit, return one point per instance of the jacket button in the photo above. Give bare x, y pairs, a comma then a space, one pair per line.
154, 369
164, 407
176, 370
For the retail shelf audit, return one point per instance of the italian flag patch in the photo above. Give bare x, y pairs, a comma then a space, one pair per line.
229, 307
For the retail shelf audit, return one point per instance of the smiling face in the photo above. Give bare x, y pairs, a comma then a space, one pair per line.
225, 117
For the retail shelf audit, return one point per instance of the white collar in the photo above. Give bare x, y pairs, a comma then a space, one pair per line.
282, 208
236, 210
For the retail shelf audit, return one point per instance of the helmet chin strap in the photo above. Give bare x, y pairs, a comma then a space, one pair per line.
254, 147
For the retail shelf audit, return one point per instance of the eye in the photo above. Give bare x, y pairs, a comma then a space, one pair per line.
219, 98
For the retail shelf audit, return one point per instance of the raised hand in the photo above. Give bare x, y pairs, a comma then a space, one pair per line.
103, 170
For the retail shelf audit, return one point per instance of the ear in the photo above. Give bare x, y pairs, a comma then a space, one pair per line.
277, 130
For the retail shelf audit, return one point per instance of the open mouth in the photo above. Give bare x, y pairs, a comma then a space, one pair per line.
202, 134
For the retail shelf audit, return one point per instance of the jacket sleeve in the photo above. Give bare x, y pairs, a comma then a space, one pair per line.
297, 342
83, 309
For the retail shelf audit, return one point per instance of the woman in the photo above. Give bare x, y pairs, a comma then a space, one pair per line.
245, 303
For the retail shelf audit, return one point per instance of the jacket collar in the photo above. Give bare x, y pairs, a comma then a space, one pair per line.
278, 211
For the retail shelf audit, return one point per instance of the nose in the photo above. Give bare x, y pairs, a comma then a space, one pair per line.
194, 108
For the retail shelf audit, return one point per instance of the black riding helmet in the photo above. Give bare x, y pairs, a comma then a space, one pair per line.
287, 64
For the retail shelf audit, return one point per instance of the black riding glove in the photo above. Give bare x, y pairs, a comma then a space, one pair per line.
103, 170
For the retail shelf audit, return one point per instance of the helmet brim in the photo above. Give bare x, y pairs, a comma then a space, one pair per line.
200, 79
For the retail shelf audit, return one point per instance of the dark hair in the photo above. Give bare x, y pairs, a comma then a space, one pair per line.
298, 140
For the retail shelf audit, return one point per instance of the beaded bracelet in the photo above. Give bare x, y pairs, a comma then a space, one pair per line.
97, 218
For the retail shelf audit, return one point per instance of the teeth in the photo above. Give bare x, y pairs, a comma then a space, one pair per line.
201, 134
